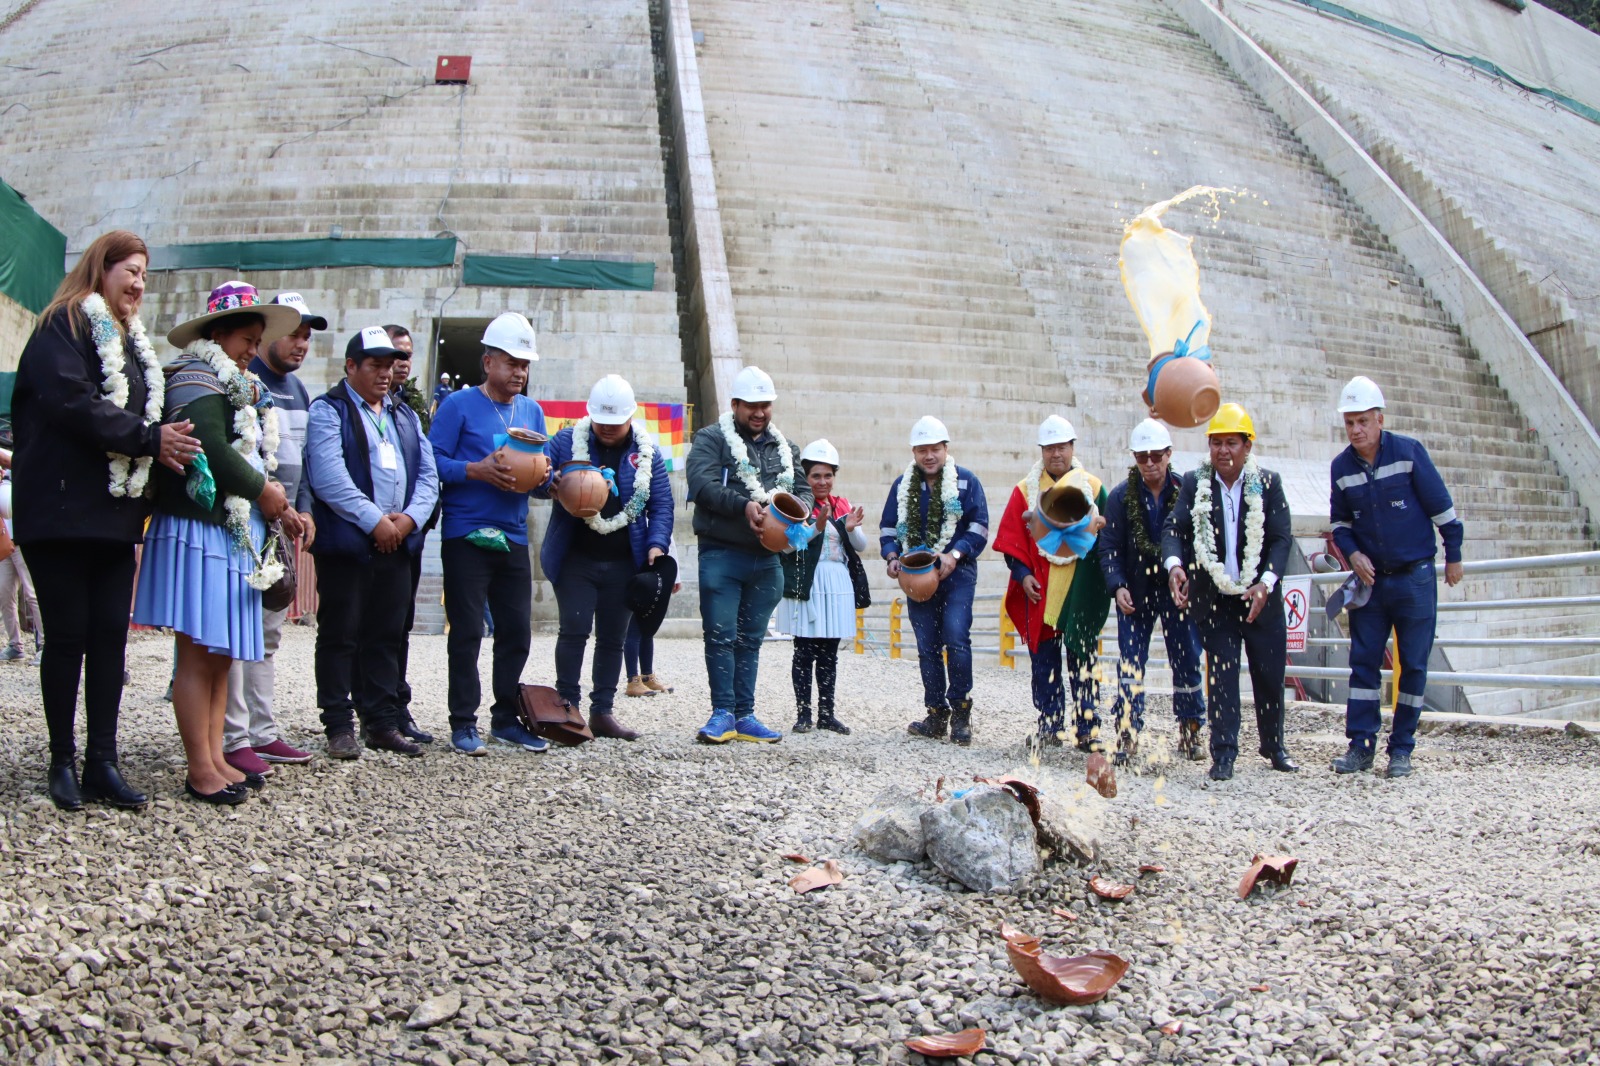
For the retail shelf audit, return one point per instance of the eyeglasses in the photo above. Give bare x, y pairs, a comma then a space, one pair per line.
1149, 457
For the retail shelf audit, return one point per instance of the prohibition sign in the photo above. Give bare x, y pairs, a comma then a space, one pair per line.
1295, 604
1296, 609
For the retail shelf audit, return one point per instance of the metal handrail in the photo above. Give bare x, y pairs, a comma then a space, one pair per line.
1333, 673
1560, 561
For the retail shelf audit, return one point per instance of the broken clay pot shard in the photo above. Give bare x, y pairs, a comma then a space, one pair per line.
1109, 889
1027, 795
1064, 981
1276, 868
817, 877
1101, 777
949, 1045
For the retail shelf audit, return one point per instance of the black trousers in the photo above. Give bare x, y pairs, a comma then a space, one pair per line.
820, 654
85, 591
1222, 631
591, 596
472, 577
405, 639
361, 614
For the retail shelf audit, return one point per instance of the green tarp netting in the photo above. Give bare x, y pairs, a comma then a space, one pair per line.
33, 253
556, 272
8, 381
307, 254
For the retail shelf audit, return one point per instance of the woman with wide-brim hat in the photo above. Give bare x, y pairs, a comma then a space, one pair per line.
87, 410
207, 555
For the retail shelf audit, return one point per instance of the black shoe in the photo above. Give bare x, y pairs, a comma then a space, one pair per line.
1189, 741
344, 745
389, 738
1356, 760
1222, 769
231, 796
103, 783
1399, 764
1127, 748
1086, 745
1280, 760
63, 782
409, 730
802, 720
826, 720
961, 723
934, 727
253, 782
610, 726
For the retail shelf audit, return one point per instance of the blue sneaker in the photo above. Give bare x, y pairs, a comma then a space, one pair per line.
750, 728
466, 741
516, 736
719, 730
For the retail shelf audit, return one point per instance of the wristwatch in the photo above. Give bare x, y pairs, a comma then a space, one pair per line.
955, 553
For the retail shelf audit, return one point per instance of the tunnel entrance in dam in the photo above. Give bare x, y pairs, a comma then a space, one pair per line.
457, 350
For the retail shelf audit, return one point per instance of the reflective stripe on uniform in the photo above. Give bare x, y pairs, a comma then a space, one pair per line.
1343, 525
979, 528
1365, 693
1408, 700
1350, 481
1185, 690
1402, 467
887, 531
1445, 517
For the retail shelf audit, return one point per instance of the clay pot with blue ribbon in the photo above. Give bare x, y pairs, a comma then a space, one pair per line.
523, 451
584, 488
1182, 388
1059, 523
787, 527
919, 574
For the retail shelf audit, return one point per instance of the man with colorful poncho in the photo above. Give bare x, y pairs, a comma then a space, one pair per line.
1056, 604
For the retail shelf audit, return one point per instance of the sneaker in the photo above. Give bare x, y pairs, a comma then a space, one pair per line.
1399, 764
720, 729
38, 657
278, 751
517, 736
10, 652
466, 741
750, 728
1354, 761
245, 761
637, 687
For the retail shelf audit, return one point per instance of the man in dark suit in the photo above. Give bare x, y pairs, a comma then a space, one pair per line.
1238, 557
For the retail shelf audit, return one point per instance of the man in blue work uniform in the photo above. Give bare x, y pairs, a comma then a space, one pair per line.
948, 516
1387, 499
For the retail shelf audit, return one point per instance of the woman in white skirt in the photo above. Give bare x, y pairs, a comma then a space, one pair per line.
823, 585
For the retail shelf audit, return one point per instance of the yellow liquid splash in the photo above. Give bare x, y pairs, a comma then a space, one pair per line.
1161, 277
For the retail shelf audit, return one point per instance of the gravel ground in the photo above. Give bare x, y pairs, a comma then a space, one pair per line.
629, 902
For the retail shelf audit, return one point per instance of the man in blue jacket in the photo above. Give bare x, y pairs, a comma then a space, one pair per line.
950, 517
484, 530
590, 561
373, 485
1387, 501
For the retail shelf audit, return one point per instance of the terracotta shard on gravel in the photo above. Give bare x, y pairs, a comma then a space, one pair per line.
1061, 912
797, 857
817, 877
1151, 868
1101, 777
1109, 889
1276, 868
1026, 794
1062, 981
950, 1045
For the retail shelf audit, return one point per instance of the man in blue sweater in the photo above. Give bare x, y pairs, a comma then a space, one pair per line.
939, 506
485, 536
1387, 501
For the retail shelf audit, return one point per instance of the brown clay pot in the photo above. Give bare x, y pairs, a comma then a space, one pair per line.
1187, 392
784, 510
919, 575
524, 454
583, 489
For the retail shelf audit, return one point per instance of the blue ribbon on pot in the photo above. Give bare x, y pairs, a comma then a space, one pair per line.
517, 445
1076, 538
605, 471
1180, 350
797, 531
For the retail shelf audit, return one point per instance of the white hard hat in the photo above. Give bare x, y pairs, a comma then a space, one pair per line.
1361, 394
611, 401
512, 334
754, 385
820, 451
1056, 430
1149, 436
929, 430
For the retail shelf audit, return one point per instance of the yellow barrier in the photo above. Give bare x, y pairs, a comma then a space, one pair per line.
861, 631
895, 610
1008, 639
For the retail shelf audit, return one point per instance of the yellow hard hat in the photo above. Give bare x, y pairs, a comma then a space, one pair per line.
1231, 418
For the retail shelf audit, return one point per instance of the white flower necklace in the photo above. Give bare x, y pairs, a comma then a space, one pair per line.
1255, 525
257, 440
910, 504
129, 476
1035, 475
641, 476
748, 474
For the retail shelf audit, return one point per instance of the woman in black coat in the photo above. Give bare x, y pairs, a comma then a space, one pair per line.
87, 409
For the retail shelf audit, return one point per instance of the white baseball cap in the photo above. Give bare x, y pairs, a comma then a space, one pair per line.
611, 401
1056, 430
820, 451
1149, 436
1360, 394
298, 302
929, 430
754, 385
512, 334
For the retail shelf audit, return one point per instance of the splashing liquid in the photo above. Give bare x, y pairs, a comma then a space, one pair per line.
1161, 277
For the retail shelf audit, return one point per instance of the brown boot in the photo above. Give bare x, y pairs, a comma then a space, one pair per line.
1189, 746
388, 738
607, 725
655, 684
637, 687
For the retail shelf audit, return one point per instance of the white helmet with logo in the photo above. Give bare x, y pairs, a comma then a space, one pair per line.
512, 334
929, 430
1149, 436
1361, 394
821, 451
611, 401
1056, 430
754, 385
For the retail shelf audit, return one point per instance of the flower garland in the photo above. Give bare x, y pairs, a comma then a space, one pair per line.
129, 476
257, 430
944, 508
1035, 475
1136, 520
1255, 524
748, 474
641, 476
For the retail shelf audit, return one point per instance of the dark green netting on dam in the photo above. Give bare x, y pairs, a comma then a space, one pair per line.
556, 272
33, 253
307, 254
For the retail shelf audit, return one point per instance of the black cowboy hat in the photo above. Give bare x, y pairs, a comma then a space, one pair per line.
650, 591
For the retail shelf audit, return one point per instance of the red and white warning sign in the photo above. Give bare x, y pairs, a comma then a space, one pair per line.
1297, 610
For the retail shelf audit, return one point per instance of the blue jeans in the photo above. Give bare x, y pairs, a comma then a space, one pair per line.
738, 593
1408, 603
943, 626
1050, 696
1182, 638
